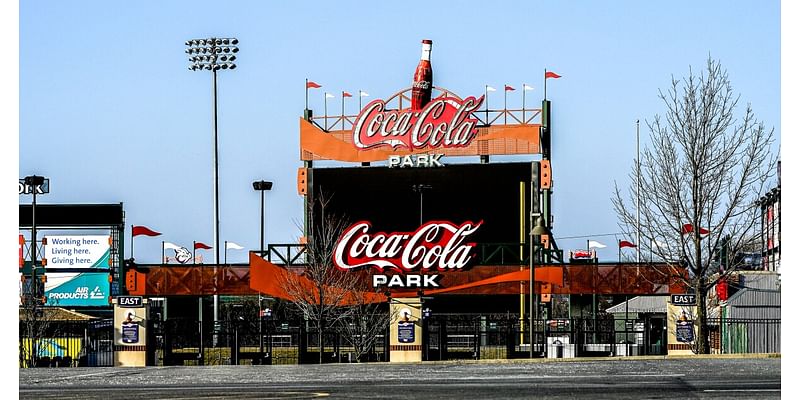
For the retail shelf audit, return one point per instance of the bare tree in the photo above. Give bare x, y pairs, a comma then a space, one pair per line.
700, 180
318, 290
366, 319
37, 322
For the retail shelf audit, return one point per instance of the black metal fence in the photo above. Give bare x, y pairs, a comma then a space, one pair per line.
445, 337
733, 335
465, 336
254, 342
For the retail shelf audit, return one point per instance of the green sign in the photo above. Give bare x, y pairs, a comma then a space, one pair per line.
77, 289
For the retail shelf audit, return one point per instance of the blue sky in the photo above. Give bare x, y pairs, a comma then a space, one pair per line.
110, 113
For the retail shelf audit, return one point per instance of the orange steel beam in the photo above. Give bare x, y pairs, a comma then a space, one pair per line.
172, 280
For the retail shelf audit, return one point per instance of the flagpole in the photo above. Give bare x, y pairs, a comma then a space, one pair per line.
326, 111
342, 109
226, 252
619, 251
131, 241
638, 198
163, 256
306, 93
545, 84
359, 100
486, 99
594, 291
524, 89
194, 249
505, 104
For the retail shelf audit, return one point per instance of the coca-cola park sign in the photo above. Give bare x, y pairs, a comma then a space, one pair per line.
445, 122
436, 245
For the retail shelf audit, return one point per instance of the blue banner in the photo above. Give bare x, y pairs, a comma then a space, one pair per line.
684, 331
405, 332
77, 289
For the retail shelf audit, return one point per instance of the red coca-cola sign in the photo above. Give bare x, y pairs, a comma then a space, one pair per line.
438, 245
444, 122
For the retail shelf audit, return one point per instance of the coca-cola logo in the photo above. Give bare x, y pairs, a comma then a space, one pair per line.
435, 245
444, 122
421, 85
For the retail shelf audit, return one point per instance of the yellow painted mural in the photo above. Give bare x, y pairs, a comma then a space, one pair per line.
53, 347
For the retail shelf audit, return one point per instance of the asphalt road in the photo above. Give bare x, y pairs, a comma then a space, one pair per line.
612, 379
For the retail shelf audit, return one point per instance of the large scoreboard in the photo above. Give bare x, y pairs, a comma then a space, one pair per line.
399, 199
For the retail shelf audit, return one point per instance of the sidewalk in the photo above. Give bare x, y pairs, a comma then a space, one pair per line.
612, 358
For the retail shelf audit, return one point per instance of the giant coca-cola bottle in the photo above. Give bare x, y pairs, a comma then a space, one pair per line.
423, 78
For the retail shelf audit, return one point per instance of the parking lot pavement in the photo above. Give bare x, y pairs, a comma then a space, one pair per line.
620, 379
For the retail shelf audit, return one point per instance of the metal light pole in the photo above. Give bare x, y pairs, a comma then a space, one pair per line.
262, 186
419, 188
213, 54
34, 181
537, 232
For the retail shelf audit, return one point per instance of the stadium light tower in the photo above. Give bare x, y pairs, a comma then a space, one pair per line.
213, 54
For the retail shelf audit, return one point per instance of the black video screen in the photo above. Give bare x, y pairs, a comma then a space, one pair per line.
389, 198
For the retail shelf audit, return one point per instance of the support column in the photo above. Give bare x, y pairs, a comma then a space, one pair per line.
130, 331
405, 330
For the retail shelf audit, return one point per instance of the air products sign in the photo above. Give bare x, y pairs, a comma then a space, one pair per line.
71, 289
77, 251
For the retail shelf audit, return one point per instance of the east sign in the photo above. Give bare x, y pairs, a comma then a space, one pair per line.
683, 299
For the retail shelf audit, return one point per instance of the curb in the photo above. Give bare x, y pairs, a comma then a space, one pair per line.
589, 359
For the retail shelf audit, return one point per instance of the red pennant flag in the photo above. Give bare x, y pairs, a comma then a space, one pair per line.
200, 245
345, 94
625, 243
551, 74
312, 85
688, 228
143, 230
509, 88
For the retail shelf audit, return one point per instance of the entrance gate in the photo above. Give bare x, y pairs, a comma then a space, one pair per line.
99, 344
474, 336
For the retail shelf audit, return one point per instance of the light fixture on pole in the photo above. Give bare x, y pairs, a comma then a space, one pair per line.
262, 186
536, 232
213, 54
34, 181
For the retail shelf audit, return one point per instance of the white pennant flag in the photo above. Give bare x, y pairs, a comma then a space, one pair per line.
526, 87
363, 94
231, 245
596, 245
490, 89
329, 96
657, 244
173, 246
